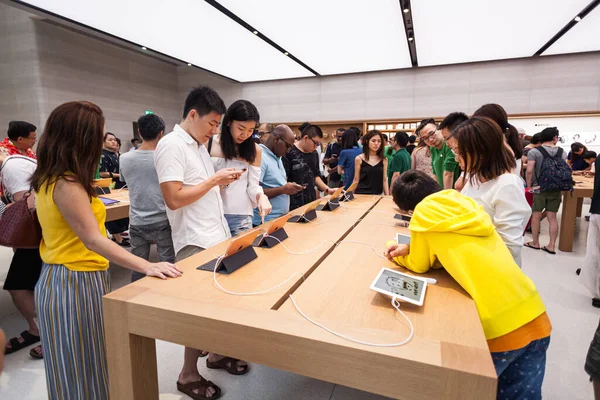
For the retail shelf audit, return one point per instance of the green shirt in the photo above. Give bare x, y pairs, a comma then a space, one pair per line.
389, 154
443, 160
401, 162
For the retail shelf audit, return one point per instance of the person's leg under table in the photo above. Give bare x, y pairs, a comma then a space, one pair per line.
140, 246
553, 223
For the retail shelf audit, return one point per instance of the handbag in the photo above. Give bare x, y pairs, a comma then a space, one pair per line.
19, 226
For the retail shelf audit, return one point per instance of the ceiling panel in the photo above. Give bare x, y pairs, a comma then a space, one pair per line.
190, 30
332, 36
584, 36
459, 31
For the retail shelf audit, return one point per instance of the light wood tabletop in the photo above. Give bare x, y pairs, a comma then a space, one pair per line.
118, 210
444, 360
571, 209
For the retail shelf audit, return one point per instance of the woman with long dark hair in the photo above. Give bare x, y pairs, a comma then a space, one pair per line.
76, 252
234, 148
488, 166
497, 114
370, 167
348, 154
575, 158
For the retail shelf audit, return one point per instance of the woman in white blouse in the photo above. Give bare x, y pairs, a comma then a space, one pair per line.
489, 166
235, 148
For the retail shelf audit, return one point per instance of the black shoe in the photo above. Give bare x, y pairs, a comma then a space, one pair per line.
596, 302
578, 271
124, 242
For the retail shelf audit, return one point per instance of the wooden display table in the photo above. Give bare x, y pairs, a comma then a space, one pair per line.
448, 357
118, 210
571, 209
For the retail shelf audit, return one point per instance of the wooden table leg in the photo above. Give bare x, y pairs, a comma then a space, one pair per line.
131, 358
567, 222
579, 206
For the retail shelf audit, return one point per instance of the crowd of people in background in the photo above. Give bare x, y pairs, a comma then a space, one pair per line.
471, 185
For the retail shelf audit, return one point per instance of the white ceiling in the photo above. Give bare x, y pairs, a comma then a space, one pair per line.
585, 36
335, 36
190, 30
332, 36
460, 31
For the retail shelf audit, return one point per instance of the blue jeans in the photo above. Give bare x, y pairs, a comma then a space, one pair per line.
521, 372
238, 223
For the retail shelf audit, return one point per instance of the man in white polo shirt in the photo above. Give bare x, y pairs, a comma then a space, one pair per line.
190, 188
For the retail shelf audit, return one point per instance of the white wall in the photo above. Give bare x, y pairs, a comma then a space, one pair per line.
543, 84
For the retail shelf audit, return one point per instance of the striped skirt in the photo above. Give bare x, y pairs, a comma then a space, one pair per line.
69, 309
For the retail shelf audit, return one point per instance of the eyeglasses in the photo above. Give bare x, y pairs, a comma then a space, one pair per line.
317, 144
427, 138
287, 144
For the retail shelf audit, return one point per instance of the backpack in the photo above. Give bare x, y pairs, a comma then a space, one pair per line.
555, 173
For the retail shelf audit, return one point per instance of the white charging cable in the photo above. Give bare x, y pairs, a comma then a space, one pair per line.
296, 253
244, 293
366, 244
395, 304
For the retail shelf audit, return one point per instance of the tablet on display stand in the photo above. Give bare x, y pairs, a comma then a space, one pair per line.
404, 287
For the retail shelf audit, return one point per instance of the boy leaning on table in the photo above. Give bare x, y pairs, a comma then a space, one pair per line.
451, 230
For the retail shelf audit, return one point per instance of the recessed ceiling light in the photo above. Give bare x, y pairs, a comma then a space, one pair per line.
406, 10
286, 53
143, 48
410, 39
189, 65
255, 32
577, 18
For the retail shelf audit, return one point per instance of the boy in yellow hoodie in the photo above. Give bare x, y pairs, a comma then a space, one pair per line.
452, 231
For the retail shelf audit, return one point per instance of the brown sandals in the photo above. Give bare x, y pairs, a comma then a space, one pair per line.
200, 386
232, 368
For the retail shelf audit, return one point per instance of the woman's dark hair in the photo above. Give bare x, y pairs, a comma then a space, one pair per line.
589, 154
411, 187
240, 110
349, 139
481, 144
71, 146
423, 124
401, 139
536, 139
385, 137
576, 147
366, 140
17, 129
497, 114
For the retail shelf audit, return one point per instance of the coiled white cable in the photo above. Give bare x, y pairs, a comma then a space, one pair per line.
395, 304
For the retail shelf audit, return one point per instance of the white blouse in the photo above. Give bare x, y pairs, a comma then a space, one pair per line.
239, 197
504, 200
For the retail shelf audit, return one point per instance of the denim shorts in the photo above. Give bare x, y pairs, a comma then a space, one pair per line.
238, 223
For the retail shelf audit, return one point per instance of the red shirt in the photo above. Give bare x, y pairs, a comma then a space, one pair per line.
10, 149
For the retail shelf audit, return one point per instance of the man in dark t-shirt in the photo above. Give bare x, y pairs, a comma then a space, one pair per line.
301, 165
332, 153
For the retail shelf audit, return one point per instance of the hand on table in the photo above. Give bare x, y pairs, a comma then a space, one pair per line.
396, 250
163, 270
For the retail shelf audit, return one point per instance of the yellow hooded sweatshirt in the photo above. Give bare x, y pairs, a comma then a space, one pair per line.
455, 230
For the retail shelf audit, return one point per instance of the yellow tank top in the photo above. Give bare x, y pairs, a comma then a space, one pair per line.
59, 244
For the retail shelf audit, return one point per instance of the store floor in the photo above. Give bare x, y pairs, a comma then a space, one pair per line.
569, 306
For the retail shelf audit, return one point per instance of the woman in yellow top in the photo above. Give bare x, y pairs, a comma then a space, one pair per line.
76, 252
452, 231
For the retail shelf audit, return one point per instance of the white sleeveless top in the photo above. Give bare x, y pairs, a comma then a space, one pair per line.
240, 196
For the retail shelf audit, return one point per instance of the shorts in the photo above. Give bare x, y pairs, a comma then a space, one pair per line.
238, 223
592, 361
24, 270
547, 201
188, 251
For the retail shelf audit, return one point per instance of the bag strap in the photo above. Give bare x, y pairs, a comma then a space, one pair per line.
544, 152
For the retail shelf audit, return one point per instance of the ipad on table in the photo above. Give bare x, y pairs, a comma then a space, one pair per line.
310, 207
402, 238
107, 202
401, 286
237, 244
351, 188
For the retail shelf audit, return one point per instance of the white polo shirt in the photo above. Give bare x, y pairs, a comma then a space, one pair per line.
179, 158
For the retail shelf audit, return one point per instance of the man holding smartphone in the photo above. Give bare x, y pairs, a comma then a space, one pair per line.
331, 159
190, 188
302, 167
